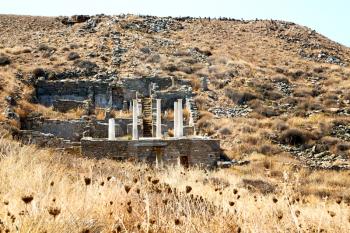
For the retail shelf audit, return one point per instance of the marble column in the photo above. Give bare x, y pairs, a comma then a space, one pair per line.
159, 120
180, 124
111, 129
135, 135
130, 106
176, 115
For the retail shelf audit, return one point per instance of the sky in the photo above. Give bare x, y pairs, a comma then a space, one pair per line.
328, 17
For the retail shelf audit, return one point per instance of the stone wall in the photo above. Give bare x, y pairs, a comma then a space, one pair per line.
63, 105
49, 91
169, 97
107, 93
69, 130
45, 140
100, 130
197, 151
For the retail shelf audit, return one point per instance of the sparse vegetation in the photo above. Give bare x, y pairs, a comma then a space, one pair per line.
256, 67
73, 56
113, 196
295, 137
4, 60
239, 97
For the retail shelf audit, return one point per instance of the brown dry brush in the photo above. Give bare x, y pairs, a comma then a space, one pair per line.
64, 194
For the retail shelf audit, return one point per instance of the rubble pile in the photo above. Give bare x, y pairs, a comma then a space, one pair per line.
118, 50
284, 87
342, 132
322, 56
315, 158
237, 111
154, 25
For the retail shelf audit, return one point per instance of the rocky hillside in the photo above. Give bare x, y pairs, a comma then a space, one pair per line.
274, 87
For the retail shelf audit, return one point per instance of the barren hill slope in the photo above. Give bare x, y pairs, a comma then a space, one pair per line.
278, 97
274, 87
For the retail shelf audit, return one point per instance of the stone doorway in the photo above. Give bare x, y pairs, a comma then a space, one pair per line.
159, 156
184, 161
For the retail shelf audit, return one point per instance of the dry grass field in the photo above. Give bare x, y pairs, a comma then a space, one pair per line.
44, 191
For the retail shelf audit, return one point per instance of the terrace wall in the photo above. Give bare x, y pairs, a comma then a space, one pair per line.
204, 152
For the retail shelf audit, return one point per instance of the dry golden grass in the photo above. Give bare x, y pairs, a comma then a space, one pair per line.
121, 114
72, 194
25, 108
170, 115
100, 113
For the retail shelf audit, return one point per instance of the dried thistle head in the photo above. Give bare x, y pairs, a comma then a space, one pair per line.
127, 188
188, 189
152, 221
279, 215
87, 181
331, 213
129, 209
54, 211
27, 199
177, 221
338, 200
155, 181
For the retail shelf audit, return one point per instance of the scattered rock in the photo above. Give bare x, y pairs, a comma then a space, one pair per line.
118, 50
342, 132
237, 111
227, 164
284, 87
90, 25
322, 56
10, 113
74, 19
154, 24
315, 159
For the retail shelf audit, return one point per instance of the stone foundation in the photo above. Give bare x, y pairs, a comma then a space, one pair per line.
45, 140
187, 151
62, 105
69, 130
100, 130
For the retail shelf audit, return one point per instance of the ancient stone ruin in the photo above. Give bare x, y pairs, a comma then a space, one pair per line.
156, 122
